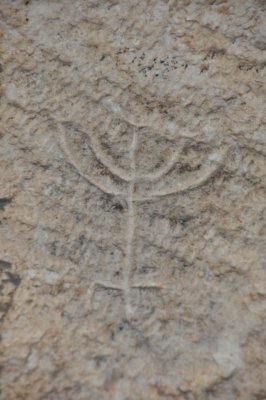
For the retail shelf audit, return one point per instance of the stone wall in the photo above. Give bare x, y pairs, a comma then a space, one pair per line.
132, 151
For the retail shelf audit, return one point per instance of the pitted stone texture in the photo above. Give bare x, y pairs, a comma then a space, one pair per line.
133, 200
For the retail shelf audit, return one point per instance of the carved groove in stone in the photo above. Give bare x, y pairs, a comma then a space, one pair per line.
131, 181
77, 164
115, 170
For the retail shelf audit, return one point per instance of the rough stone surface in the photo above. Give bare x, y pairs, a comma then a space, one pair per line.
132, 207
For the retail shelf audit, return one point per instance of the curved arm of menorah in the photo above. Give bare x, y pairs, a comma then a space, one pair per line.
153, 176
84, 159
173, 182
117, 171
101, 158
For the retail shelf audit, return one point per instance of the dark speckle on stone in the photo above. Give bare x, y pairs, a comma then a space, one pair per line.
260, 44
13, 278
4, 201
117, 207
5, 264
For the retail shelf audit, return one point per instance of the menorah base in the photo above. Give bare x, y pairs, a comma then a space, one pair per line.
125, 291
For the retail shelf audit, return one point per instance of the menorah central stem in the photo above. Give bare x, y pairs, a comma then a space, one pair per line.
130, 228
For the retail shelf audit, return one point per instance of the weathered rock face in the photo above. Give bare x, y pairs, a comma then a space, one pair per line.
133, 200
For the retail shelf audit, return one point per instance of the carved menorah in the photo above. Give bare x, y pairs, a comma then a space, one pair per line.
133, 187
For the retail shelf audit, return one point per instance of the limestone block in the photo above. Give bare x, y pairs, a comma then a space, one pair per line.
132, 200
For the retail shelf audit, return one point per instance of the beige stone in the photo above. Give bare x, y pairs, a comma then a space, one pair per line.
132, 200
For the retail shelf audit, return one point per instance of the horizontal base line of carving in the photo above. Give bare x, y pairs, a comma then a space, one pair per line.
122, 289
